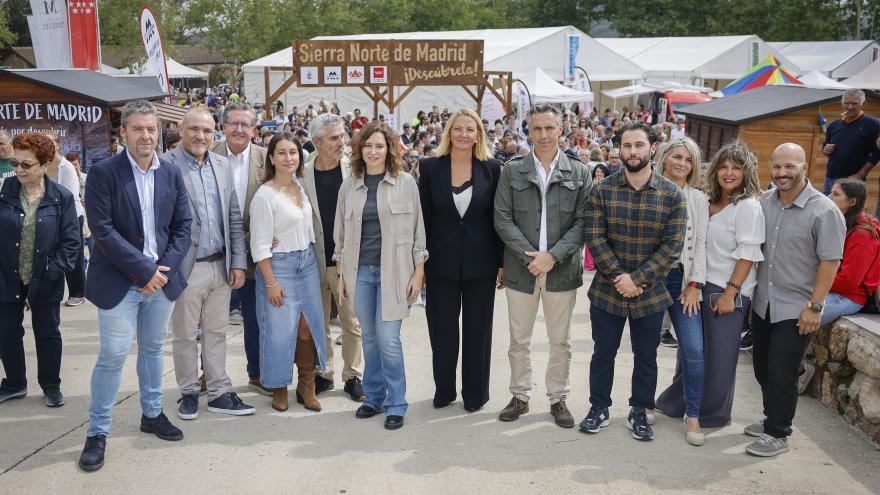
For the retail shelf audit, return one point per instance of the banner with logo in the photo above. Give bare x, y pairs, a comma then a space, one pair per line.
572, 45
85, 49
50, 40
155, 49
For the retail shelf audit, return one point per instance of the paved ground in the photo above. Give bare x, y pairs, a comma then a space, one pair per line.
438, 451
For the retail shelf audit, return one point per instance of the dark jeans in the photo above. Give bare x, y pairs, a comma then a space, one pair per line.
777, 353
247, 298
76, 278
644, 336
45, 319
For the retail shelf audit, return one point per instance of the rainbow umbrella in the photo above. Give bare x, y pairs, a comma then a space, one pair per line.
767, 72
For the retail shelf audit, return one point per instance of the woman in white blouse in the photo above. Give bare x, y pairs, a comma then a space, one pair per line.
290, 312
680, 163
733, 247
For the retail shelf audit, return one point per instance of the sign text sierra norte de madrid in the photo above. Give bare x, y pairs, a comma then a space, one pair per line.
395, 62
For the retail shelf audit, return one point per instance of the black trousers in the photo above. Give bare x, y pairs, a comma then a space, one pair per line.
475, 301
76, 279
776, 355
45, 319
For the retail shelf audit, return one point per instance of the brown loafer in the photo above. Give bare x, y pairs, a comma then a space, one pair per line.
514, 409
257, 386
562, 415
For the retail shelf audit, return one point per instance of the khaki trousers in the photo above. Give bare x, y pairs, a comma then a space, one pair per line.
205, 301
522, 309
351, 331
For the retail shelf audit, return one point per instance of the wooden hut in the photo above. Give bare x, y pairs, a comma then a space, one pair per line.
766, 117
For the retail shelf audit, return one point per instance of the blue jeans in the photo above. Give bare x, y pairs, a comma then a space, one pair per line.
384, 372
689, 331
826, 187
837, 306
297, 272
247, 301
147, 318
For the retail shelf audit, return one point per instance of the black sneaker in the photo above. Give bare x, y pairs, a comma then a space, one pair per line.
53, 398
637, 421
323, 384
365, 412
667, 340
189, 406
92, 457
745, 341
6, 395
161, 427
596, 419
355, 389
230, 403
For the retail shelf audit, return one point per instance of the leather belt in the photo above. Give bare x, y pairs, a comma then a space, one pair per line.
211, 257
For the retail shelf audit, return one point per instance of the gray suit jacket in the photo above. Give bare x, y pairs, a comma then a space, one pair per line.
233, 228
309, 183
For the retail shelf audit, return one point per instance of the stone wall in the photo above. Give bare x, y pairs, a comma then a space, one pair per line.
847, 380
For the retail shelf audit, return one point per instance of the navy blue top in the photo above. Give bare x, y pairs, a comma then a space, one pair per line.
856, 144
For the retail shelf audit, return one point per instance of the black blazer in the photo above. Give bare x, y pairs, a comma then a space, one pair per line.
460, 248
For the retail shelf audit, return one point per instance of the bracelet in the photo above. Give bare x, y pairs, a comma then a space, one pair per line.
273, 285
735, 286
696, 285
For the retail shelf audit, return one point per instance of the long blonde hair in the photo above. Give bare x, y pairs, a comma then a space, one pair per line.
737, 153
693, 178
481, 148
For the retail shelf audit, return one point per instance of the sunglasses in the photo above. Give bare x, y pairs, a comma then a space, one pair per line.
24, 165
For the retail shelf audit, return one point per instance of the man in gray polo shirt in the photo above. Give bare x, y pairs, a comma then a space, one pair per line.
802, 251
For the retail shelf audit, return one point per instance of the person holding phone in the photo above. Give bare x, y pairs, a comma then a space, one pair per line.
733, 247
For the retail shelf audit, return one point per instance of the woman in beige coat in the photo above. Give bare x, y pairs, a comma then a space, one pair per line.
380, 252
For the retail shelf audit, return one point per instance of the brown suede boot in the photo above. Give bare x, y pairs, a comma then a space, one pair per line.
305, 365
279, 399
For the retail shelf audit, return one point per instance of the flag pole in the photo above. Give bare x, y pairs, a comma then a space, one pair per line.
98, 27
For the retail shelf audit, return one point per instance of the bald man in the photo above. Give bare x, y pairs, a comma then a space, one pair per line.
802, 250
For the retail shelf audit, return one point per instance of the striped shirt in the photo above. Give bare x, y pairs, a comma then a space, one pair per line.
636, 232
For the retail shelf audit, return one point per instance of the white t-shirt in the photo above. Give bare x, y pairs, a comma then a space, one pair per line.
544, 179
735, 233
67, 177
275, 214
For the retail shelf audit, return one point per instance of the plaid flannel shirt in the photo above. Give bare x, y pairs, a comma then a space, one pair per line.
636, 232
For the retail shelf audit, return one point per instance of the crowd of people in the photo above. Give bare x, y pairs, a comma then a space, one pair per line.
277, 224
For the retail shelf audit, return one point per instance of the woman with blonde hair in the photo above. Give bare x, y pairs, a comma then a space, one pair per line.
457, 190
380, 254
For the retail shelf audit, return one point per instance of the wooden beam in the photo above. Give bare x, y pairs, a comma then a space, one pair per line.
405, 94
469, 92
390, 100
266, 92
288, 83
481, 91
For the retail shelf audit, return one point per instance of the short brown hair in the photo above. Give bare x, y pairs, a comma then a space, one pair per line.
38, 143
393, 160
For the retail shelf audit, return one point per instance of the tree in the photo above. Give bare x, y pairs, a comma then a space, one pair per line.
121, 27
7, 37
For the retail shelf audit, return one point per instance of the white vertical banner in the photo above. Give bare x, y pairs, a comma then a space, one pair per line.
572, 45
522, 100
155, 50
50, 40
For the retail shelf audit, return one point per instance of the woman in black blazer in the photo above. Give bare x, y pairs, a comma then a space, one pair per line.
457, 190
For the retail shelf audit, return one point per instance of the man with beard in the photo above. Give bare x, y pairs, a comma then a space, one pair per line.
634, 227
805, 234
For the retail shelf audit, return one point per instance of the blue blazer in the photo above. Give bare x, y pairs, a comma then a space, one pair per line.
114, 215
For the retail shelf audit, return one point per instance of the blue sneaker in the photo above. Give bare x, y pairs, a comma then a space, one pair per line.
230, 403
596, 419
189, 406
637, 421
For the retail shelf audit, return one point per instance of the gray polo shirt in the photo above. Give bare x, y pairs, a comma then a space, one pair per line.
798, 237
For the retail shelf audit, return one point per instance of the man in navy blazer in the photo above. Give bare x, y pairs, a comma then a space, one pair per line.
138, 211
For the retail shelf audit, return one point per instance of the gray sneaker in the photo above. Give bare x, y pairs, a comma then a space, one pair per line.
767, 446
805, 377
755, 429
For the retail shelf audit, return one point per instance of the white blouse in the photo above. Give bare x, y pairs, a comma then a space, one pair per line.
462, 200
735, 233
274, 214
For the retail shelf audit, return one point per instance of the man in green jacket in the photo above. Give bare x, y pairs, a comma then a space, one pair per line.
539, 217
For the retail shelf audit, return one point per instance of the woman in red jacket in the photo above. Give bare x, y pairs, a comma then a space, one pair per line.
859, 273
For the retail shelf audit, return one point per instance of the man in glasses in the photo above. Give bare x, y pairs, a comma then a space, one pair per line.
246, 161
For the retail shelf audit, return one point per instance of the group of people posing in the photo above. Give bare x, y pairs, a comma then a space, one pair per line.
176, 234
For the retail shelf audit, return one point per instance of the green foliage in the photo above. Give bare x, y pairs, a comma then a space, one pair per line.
7, 37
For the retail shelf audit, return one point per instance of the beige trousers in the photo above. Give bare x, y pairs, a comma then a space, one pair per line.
351, 331
522, 309
205, 302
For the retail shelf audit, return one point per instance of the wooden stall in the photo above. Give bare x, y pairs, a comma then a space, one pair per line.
766, 117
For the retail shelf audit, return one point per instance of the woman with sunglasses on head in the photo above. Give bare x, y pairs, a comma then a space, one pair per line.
40, 242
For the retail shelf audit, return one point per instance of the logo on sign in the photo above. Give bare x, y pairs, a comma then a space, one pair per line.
308, 75
333, 75
379, 74
355, 75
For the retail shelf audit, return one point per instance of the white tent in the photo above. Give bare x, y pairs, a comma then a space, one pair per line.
835, 59
176, 70
543, 89
816, 79
869, 78
644, 88
515, 50
694, 59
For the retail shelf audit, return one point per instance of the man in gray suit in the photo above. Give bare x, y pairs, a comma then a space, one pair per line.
214, 265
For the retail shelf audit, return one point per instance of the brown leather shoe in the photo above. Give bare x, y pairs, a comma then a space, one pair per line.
514, 409
562, 415
306, 369
279, 399
257, 385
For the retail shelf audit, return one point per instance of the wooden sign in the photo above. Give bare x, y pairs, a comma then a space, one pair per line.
322, 63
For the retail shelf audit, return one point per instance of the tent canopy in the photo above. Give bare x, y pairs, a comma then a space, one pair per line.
869, 78
543, 89
691, 59
176, 70
645, 88
835, 59
767, 73
816, 79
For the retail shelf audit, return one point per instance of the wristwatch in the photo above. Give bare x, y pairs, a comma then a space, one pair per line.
815, 307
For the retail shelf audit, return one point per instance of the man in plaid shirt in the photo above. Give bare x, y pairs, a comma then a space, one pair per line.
634, 226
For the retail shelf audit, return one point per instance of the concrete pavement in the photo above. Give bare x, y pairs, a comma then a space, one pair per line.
437, 451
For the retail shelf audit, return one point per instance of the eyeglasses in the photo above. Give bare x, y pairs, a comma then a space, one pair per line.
24, 165
240, 125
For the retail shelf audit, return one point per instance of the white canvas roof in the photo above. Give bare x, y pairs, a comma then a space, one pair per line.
176, 70
693, 59
544, 89
815, 79
869, 78
835, 59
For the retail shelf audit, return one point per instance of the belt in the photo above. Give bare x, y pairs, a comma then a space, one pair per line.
211, 257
